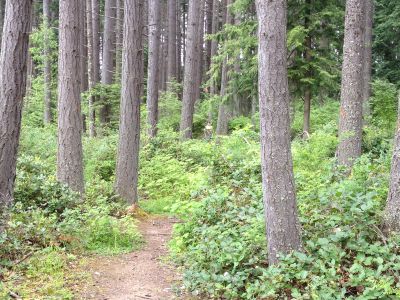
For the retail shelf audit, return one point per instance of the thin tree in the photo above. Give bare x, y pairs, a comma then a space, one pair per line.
69, 155
369, 19
171, 61
129, 126
107, 68
308, 59
13, 75
84, 48
351, 100
153, 68
214, 42
91, 64
224, 107
392, 211
95, 15
283, 229
190, 83
118, 40
47, 63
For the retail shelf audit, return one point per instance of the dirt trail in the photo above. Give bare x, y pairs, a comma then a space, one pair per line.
138, 275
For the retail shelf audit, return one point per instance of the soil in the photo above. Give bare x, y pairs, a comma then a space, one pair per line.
138, 275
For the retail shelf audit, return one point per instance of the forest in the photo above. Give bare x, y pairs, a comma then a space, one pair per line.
200, 149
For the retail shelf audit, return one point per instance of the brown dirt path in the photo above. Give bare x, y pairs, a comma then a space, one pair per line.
138, 275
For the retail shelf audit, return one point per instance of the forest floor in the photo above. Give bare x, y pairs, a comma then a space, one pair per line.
142, 274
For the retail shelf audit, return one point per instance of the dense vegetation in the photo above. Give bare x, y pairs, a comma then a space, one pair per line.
210, 179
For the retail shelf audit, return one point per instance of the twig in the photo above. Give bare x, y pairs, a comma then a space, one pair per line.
23, 259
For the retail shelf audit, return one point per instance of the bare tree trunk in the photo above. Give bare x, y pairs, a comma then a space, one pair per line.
369, 20
132, 84
392, 211
225, 105
13, 74
283, 228
95, 15
2, 4
350, 121
91, 76
190, 83
152, 81
83, 48
214, 42
69, 156
171, 68
200, 54
47, 64
184, 32
307, 54
118, 46
209, 29
178, 43
107, 71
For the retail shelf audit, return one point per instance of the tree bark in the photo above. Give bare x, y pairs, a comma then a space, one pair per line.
369, 20
2, 4
190, 83
132, 79
96, 48
91, 75
224, 111
392, 211
107, 71
178, 43
69, 156
308, 59
13, 75
283, 228
47, 64
171, 61
214, 42
118, 46
83, 48
200, 54
350, 121
209, 29
152, 81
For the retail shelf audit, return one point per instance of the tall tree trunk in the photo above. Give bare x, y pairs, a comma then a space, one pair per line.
214, 48
96, 47
13, 74
132, 84
392, 211
91, 75
152, 81
190, 83
171, 68
283, 228
308, 58
2, 4
225, 105
47, 63
107, 71
200, 54
209, 29
118, 46
178, 43
369, 19
69, 156
350, 121
83, 48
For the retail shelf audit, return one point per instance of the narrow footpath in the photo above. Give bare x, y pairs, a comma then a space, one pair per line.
138, 275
